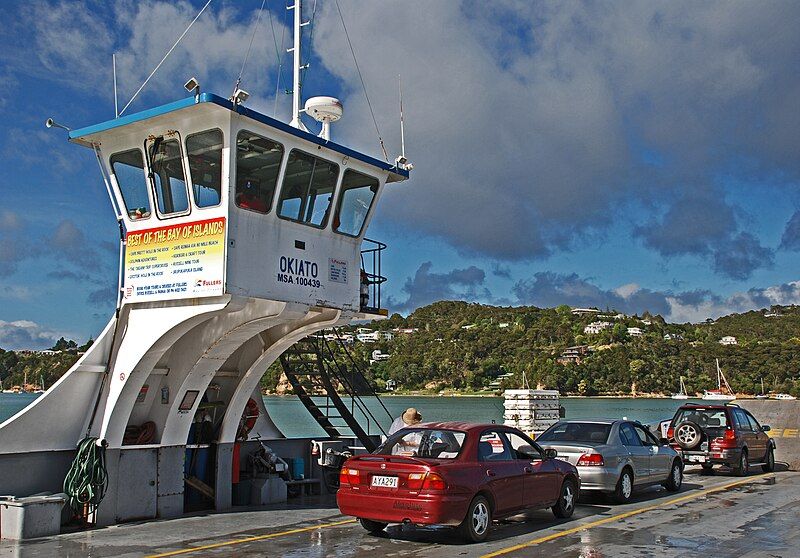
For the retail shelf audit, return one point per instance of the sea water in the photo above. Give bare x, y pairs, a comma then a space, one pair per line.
289, 415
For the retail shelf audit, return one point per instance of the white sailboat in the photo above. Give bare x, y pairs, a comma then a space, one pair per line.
719, 394
682, 394
762, 395
785, 397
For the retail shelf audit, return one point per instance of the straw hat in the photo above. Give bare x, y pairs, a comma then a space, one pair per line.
411, 416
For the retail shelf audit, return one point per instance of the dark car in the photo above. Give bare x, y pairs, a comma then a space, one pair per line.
721, 435
458, 474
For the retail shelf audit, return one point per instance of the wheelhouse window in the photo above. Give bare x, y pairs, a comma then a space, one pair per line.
166, 171
258, 163
205, 167
355, 201
128, 168
308, 186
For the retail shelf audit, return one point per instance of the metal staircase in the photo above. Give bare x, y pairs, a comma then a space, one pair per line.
316, 365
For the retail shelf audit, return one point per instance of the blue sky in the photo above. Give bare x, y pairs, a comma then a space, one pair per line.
641, 156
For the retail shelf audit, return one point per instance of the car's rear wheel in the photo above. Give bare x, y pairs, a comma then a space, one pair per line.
743, 467
565, 505
675, 479
374, 527
769, 462
624, 490
475, 527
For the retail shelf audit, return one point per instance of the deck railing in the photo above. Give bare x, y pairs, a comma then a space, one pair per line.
371, 277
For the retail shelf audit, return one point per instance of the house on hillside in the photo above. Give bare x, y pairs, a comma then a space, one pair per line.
728, 340
574, 355
635, 331
405, 330
584, 311
596, 327
378, 356
673, 337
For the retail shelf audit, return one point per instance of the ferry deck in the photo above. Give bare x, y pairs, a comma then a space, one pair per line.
713, 515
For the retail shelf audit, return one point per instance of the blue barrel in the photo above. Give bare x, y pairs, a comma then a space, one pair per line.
298, 465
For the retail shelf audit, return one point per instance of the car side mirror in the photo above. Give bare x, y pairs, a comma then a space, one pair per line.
765, 427
664, 441
550, 453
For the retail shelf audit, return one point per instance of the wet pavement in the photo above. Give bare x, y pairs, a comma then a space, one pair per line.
713, 515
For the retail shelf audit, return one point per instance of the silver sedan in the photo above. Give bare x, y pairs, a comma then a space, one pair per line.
614, 456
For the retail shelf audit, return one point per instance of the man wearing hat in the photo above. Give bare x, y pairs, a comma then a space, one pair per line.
410, 417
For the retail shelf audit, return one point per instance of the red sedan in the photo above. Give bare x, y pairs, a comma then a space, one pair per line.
455, 473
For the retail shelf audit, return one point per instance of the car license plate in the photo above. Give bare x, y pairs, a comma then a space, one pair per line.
697, 458
384, 482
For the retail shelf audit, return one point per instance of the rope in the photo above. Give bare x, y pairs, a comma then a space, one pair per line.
369, 104
249, 47
87, 479
165, 57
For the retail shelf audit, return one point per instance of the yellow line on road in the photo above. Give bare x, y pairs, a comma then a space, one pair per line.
585, 526
252, 539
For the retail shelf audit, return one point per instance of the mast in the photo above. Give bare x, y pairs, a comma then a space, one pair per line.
296, 66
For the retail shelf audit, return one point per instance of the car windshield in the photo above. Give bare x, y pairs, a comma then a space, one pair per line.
584, 432
704, 418
424, 442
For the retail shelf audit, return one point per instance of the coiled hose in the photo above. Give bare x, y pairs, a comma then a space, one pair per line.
87, 479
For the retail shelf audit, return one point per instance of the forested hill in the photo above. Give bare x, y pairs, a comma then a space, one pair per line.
469, 346
459, 346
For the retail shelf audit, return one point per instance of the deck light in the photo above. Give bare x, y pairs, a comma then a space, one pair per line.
50, 123
240, 96
192, 86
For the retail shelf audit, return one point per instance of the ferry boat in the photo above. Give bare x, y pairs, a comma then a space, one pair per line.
723, 391
241, 236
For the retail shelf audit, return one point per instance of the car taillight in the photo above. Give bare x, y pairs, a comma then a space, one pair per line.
434, 481
414, 481
591, 460
349, 476
670, 433
728, 439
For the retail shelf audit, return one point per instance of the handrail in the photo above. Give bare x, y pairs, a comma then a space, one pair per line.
352, 391
361, 372
374, 278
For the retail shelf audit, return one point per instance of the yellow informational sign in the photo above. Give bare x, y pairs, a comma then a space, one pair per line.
184, 260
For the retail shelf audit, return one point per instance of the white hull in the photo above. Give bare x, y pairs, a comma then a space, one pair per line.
707, 396
680, 396
785, 397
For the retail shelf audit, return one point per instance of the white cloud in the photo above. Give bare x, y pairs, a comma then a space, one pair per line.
527, 122
753, 299
25, 334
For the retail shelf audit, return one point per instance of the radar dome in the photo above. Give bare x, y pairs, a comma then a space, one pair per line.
324, 109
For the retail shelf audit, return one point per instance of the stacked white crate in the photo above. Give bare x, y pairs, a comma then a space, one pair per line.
531, 410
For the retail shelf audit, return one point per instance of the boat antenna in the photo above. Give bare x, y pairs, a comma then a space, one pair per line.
165, 56
249, 48
363, 85
401, 161
114, 70
402, 127
295, 50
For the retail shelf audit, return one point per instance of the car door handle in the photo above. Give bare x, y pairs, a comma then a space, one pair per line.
490, 473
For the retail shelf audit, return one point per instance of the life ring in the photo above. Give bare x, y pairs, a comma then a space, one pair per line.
250, 415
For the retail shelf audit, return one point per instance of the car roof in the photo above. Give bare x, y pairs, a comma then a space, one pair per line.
701, 406
594, 420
